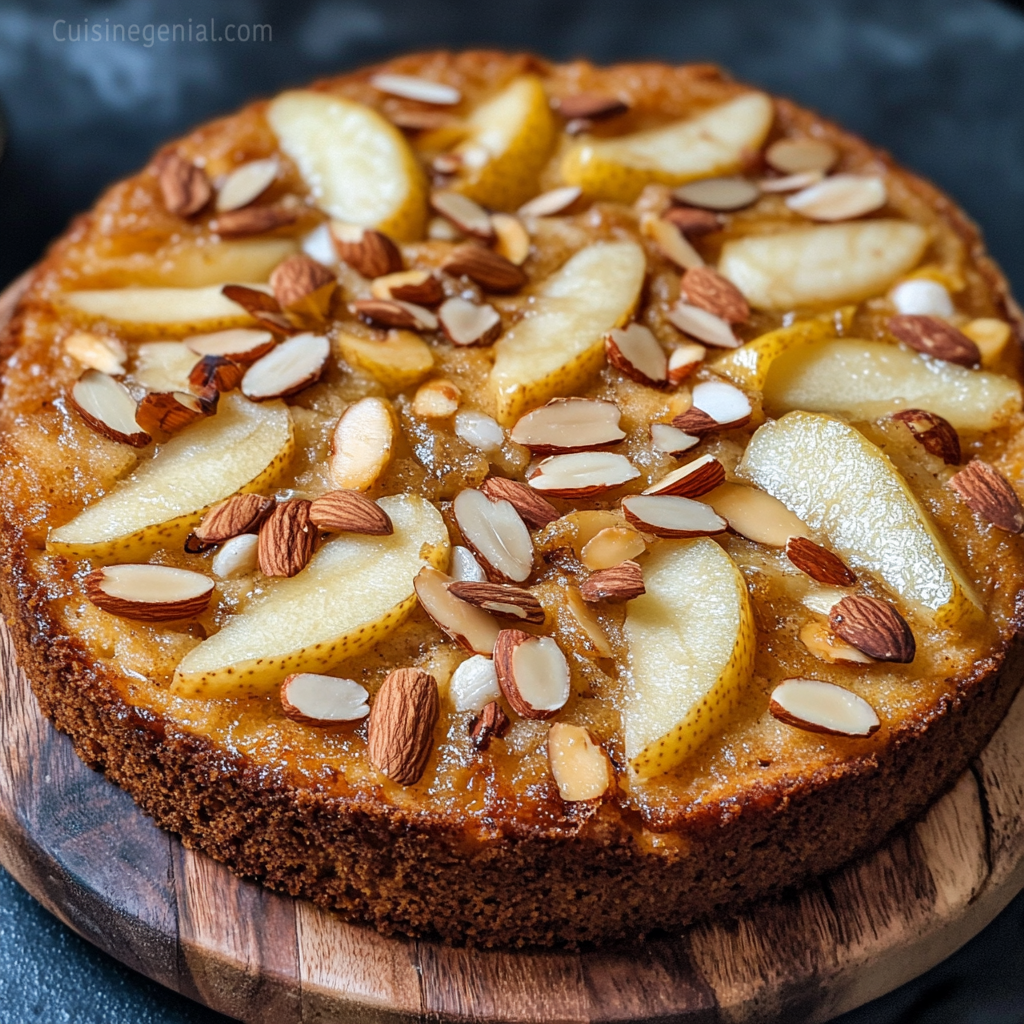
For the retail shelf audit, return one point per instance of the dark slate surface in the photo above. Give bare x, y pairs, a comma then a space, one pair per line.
940, 83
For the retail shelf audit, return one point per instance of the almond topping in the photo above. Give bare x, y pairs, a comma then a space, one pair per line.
512, 238
417, 286
683, 361
362, 444
989, 494
468, 216
97, 352
610, 547
184, 186
718, 193
263, 308
214, 375
578, 763
699, 323
595, 639
465, 566
496, 534
392, 313
921, 296
820, 564
468, 323
532, 508
492, 272
241, 513
236, 557
469, 626
437, 399
756, 515
292, 366
817, 706
937, 436
108, 408
568, 425
935, 338
791, 156
401, 730
350, 512
313, 699
503, 599
708, 290
240, 345
693, 222
302, 285
671, 440
474, 684
791, 182
411, 119
669, 516
590, 106
716, 406
411, 87
287, 539
582, 474
668, 237
490, 723
246, 183
618, 583
252, 220
547, 204
149, 593
479, 430
366, 251
841, 197
692, 480
167, 412
532, 673
874, 627
826, 646
635, 352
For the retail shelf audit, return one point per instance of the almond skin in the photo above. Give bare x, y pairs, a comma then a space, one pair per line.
937, 436
691, 221
621, 582
287, 539
819, 563
708, 290
215, 374
590, 106
532, 508
252, 220
385, 313
295, 279
490, 723
350, 512
487, 268
401, 727
989, 494
696, 422
504, 599
241, 513
263, 308
372, 253
874, 627
167, 412
184, 187
935, 338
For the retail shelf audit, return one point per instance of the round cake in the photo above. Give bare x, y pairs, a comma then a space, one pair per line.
517, 503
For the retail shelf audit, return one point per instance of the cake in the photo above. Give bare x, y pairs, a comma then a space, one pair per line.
515, 503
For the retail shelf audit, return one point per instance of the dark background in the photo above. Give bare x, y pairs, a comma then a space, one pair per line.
940, 83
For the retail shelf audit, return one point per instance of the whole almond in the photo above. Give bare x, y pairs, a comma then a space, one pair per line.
937, 436
487, 268
504, 599
935, 338
401, 727
296, 281
241, 513
369, 252
874, 627
692, 221
819, 563
490, 723
708, 290
184, 187
287, 539
532, 508
621, 582
988, 493
350, 512
252, 220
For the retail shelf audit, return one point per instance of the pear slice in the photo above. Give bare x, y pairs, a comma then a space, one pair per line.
245, 447
813, 266
357, 165
355, 590
509, 139
163, 365
878, 379
712, 143
560, 342
399, 361
691, 653
848, 491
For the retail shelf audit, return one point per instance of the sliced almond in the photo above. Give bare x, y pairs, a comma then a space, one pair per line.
465, 566
874, 627
474, 684
671, 440
417, 286
532, 508
215, 375
635, 352
582, 474
292, 366
488, 269
935, 338
791, 156
716, 406
97, 352
108, 408
817, 706
401, 728
253, 220
263, 308
610, 547
791, 182
615, 584
988, 493
502, 599
721, 194
393, 313
468, 216
184, 187
841, 197
301, 285
936, 435
701, 324
669, 516
580, 767
350, 512
921, 296
369, 252
596, 644
440, 229
708, 290
532, 673
167, 412
692, 221
682, 362
469, 323
590, 106
241, 513
469, 626
692, 480
240, 345
491, 723
568, 425
323, 700
246, 183
826, 646
512, 240
496, 534
547, 204
236, 557
437, 399
412, 87
756, 515
149, 593
822, 565
287, 539
669, 238
362, 444
479, 430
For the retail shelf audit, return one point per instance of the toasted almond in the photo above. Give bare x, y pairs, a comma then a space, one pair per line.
313, 699
418, 119
496, 534
502, 599
817, 706
693, 222
184, 187
990, 335
988, 493
491, 271
474, 684
708, 290
392, 313
241, 513
610, 547
826, 646
512, 240
936, 435
97, 352
791, 156
671, 440
692, 480
590, 106
615, 584
263, 308
412, 87
292, 366
700, 324
921, 296
236, 557
401, 729
479, 430
568, 425
108, 408
465, 566
240, 345
468, 625
469, 323
369, 252
718, 193
669, 516
755, 515
841, 197
167, 412
579, 764
417, 286
716, 406
302, 285
350, 512
246, 183
874, 627
581, 474
532, 673
252, 220
491, 723
819, 563
466, 214
215, 375
437, 399
547, 204
362, 444
671, 241
532, 508
682, 362
595, 640
791, 182
635, 351
149, 593
287, 539
935, 338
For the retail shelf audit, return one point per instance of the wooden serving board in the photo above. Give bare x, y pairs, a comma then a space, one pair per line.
80, 846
